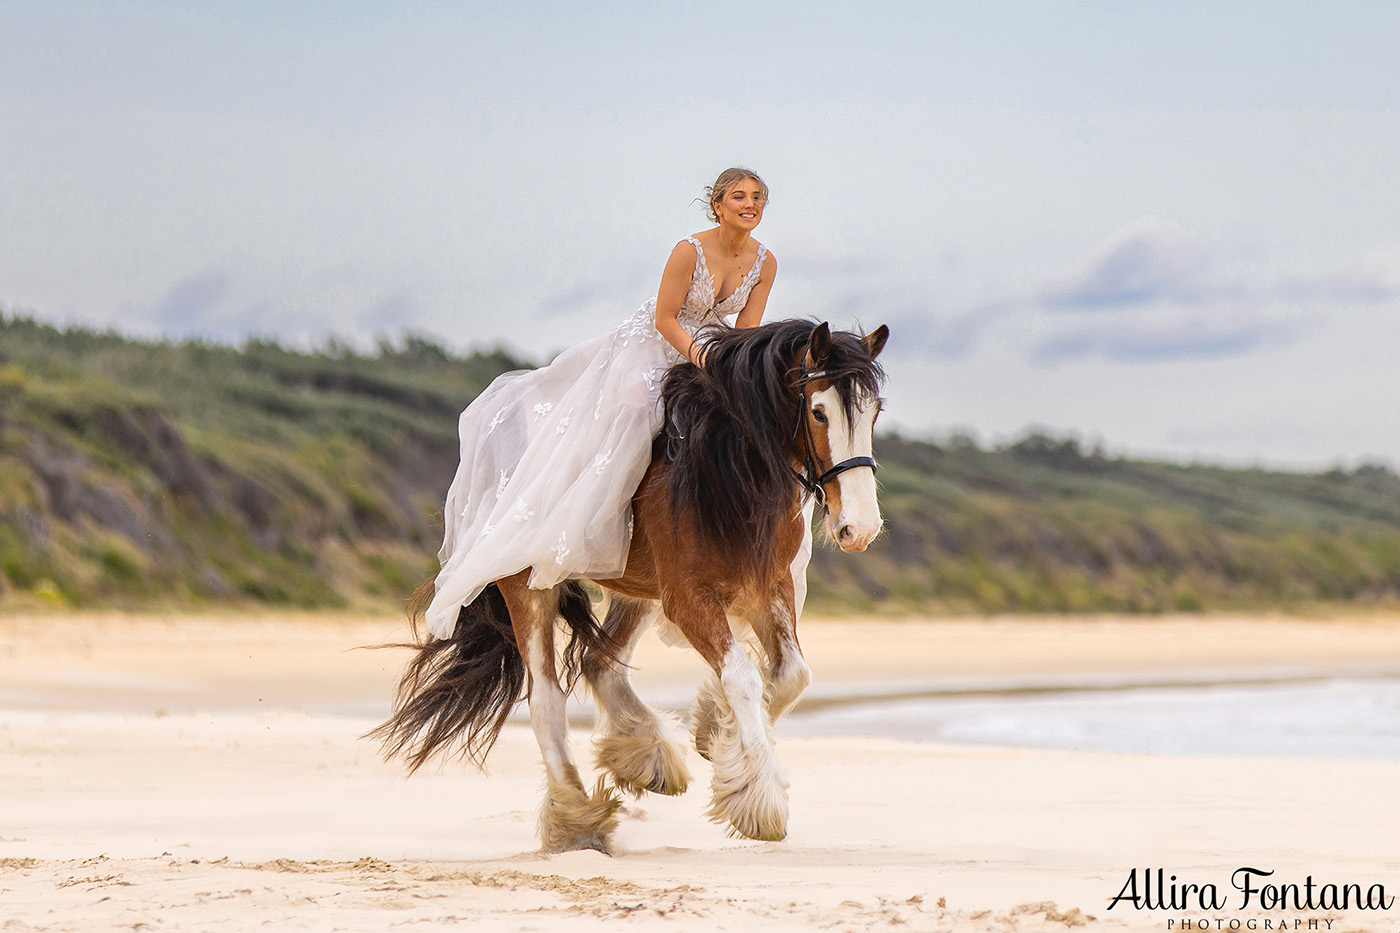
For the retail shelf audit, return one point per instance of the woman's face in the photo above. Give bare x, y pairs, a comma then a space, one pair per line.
742, 205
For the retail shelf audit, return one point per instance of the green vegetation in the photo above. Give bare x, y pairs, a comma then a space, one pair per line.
144, 473
1042, 526
138, 473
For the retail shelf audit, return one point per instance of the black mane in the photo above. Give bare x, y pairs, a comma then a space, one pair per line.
727, 426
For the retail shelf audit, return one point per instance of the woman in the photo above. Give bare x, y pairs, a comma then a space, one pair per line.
551, 457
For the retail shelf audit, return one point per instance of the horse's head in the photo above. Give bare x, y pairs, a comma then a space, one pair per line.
840, 401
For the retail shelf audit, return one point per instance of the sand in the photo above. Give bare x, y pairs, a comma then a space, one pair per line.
178, 773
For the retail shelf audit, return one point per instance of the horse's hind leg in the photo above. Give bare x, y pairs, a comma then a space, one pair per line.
634, 746
571, 818
749, 789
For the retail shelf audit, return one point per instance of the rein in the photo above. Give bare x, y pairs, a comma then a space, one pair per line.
811, 478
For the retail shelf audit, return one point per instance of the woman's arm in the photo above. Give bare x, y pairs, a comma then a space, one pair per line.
752, 315
675, 285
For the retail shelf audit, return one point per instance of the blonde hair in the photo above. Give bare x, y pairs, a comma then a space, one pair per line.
728, 179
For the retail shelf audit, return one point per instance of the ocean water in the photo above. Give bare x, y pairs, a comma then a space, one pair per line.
1341, 718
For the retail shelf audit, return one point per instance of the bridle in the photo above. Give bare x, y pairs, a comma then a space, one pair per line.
811, 478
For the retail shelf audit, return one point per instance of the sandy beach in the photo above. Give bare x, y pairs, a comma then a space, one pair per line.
207, 774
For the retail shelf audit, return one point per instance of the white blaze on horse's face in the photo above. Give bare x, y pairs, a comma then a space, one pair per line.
855, 521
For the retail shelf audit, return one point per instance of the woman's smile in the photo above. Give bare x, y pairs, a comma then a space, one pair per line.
743, 203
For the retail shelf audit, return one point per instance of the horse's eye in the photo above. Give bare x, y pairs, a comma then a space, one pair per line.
820, 415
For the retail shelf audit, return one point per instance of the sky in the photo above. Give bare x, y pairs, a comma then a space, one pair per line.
1171, 229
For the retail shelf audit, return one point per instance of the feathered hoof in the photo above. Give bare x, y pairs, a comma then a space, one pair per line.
573, 819
704, 719
754, 811
641, 762
749, 790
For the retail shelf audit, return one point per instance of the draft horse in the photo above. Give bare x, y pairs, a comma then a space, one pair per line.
778, 413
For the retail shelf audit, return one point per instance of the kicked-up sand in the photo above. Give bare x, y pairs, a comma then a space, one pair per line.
208, 774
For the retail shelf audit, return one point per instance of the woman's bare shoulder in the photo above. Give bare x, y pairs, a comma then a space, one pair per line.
682, 252
682, 263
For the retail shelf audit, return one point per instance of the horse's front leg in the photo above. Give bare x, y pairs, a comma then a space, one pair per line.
749, 789
634, 745
570, 818
787, 673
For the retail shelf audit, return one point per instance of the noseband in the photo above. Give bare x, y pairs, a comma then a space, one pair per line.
811, 478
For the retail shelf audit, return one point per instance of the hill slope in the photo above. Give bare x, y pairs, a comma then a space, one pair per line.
1043, 526
134, 472
138, 473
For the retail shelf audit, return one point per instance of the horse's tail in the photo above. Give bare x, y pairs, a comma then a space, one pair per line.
458, 689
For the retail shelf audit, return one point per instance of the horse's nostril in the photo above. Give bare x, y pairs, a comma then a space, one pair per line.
844, 534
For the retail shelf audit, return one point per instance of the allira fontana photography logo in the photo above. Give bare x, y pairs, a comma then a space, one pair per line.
1274, 903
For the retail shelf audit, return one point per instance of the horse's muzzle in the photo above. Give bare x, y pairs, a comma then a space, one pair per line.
851, 539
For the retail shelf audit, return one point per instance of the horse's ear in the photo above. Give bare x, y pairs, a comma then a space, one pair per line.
818, 345
875, 340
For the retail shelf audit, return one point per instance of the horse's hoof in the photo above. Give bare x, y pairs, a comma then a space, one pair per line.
573, 819
642, 762
757, 834
749, 788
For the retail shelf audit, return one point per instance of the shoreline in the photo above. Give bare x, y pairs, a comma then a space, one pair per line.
321, 662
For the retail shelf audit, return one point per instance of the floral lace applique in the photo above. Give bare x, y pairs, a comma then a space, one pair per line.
561, 549
543, 408
501, 484
700, 304
521, 512
640, 326
495, 422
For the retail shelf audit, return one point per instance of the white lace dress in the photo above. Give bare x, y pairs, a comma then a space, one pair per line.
552, 456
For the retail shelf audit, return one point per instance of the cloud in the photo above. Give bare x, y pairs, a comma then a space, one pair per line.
1154, 260
1149, 259
210, 306
1370, 279
394, 313
615, 288
919, 334
818, 261
190, 305
1160, 293
1165, 338
1151, 292
576, 298
217, 306
921, 326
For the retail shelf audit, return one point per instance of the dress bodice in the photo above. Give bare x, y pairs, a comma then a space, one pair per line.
700, 306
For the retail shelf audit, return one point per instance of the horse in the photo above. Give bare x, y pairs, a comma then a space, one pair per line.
776, 416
